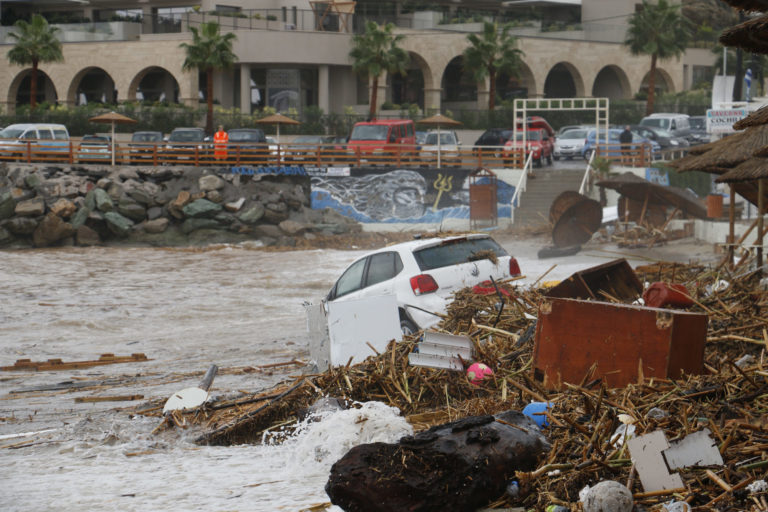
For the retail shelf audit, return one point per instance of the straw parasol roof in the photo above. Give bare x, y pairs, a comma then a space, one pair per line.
112, 118
756, 118
634, 187
751, 35
748, 5
439, 120
277, 119
726, 153
752, 169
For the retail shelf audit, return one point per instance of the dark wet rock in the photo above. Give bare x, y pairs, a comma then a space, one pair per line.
86, 237
458, 466
292, 227
30, 208
102, 200
131, 209
79, 218
21, 225
154, 213
51, 230
253, 214
202, 209
5, 236
118, 224
7, 204
193, 224
156, 225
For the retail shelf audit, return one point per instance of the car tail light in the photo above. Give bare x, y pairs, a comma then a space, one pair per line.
423, 283
514, 268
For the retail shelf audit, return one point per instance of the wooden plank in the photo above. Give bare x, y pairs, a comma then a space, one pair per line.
116, 398
58, 364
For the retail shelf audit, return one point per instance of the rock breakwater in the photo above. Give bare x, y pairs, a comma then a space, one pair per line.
43, 206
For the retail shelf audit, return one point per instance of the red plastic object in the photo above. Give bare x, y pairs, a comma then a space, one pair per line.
486, 288
666, 294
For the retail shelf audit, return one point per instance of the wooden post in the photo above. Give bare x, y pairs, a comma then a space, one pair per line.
760, 214
731, 221
645, 206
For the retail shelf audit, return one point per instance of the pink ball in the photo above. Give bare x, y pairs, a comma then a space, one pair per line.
477, 372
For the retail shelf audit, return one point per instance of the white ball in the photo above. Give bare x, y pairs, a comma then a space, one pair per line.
608, 496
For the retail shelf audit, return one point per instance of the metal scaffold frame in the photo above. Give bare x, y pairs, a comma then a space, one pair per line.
599, 105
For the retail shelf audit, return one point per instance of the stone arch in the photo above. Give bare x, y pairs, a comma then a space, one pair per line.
611, 82
410, 88
664, 81
563, 81
92, 84
456, 83
522, 85
19, 90
154, 83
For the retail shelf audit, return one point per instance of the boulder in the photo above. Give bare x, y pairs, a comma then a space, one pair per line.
118, 224
64, 208
253, 214
292, 227
154, 212
234, 206
21, 225
175, 206
79, 218
275, 213
201, 209
33, 180
193, 224
102, 200
30, 208
214, 196
461, 465
131, 209
51, 230
210, 182
268, 230
5, 236
85, 236
156, 225
7, 204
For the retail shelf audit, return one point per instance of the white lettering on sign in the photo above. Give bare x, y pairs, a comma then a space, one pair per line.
721, 120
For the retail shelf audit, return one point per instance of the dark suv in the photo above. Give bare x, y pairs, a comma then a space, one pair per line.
246, 145
185, 143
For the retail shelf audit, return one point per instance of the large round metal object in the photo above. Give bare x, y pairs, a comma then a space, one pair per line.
575, 218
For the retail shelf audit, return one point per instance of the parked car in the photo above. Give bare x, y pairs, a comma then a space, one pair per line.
699, 133
247, 144
537, 142
614, 147
42, 139
375, 140
569, 127
424, 274
183, 143
273, 146
665, 139
676, 124
306, 147
94, 148
144, 144
569, 143
449, 147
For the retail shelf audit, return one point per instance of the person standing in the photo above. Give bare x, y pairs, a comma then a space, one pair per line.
625, 139
220, 139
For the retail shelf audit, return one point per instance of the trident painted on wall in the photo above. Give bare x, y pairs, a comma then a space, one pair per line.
441, 184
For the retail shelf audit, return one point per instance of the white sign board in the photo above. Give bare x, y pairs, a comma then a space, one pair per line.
721, 120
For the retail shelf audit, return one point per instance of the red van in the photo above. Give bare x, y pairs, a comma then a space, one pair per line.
383, 139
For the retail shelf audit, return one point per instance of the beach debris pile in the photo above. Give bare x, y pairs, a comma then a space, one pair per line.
591, 427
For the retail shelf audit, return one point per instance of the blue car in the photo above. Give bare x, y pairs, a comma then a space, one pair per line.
614, 146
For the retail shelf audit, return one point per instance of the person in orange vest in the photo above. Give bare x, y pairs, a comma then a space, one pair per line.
220, 139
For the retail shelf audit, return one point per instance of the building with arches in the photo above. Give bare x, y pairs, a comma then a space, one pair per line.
294, 54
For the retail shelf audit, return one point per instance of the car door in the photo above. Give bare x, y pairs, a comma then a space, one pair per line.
368, 277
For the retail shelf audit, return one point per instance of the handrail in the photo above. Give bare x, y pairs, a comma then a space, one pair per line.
522, 183
583, 186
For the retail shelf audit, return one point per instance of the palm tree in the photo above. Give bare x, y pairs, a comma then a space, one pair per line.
490, 53
209, 51
36, 42
375, 52
658, 30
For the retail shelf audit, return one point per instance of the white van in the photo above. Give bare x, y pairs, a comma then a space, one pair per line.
44, 137
676, 124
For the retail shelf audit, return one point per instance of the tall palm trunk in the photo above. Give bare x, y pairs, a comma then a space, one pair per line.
374, 97
33, 85
492, 88
651, 87
209, 100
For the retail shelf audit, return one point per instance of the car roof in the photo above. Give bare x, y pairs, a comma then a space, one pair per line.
423, 243
188, 129
384, 122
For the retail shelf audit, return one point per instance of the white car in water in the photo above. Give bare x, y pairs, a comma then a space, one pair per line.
424, 274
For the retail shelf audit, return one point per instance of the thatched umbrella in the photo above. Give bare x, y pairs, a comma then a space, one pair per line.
112, 118
727, 152
438, 120
277, 119
751, 35
753, 172
756, 118
641, 190
748, 5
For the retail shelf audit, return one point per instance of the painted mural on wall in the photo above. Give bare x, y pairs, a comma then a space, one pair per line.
387, 195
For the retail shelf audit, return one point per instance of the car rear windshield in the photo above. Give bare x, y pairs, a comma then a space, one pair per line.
658, 122
455, 252
245, 136
146, 137
186, 136
369, 132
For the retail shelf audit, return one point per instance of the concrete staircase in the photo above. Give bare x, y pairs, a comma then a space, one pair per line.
543, 187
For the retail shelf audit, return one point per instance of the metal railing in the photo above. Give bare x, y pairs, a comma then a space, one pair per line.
587, 173
521, 186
